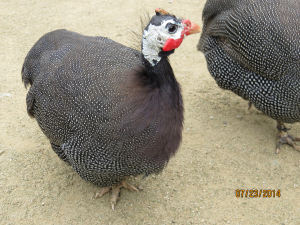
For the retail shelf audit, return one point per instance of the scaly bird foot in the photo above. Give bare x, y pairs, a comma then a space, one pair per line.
285, 138
115, 192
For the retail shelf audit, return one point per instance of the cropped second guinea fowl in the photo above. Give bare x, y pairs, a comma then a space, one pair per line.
253, 49
108, 110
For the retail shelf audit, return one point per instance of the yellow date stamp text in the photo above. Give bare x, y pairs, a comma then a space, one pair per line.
254, 193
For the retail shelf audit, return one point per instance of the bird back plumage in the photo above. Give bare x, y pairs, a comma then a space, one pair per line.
253, 49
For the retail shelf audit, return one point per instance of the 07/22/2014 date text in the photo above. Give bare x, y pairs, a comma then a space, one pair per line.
254, 193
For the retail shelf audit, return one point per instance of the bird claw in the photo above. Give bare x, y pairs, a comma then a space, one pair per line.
115, 192
285, 138
102, 192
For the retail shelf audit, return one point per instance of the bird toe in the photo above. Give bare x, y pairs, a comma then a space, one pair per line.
115, 192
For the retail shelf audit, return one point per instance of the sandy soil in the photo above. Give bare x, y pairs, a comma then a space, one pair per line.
225, 146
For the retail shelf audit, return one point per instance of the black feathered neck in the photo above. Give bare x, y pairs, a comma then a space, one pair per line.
161, 74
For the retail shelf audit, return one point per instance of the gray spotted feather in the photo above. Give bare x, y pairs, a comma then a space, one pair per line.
93, 100
252, 48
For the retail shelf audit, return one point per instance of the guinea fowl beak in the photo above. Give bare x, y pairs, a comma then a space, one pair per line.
191, 28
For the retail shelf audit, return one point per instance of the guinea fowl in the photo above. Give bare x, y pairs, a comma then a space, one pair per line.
108, 110
253, 49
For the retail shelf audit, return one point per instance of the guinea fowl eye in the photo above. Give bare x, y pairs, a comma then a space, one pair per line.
171, 28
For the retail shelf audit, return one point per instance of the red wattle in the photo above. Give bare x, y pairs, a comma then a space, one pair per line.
172, 44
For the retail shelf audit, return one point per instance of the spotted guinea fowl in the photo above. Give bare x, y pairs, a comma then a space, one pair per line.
253, 49
108, 110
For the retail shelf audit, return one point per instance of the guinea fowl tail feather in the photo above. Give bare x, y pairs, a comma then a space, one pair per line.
28, 78
29, 74
30, 68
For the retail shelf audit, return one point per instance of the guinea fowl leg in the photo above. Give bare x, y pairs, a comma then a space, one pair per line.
285, 138
115, 192
249, 105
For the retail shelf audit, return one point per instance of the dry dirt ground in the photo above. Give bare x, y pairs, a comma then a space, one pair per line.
225, 146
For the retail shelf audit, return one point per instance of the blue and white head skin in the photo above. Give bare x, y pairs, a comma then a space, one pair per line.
164, 33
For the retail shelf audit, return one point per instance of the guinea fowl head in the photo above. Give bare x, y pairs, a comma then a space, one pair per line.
163, 34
